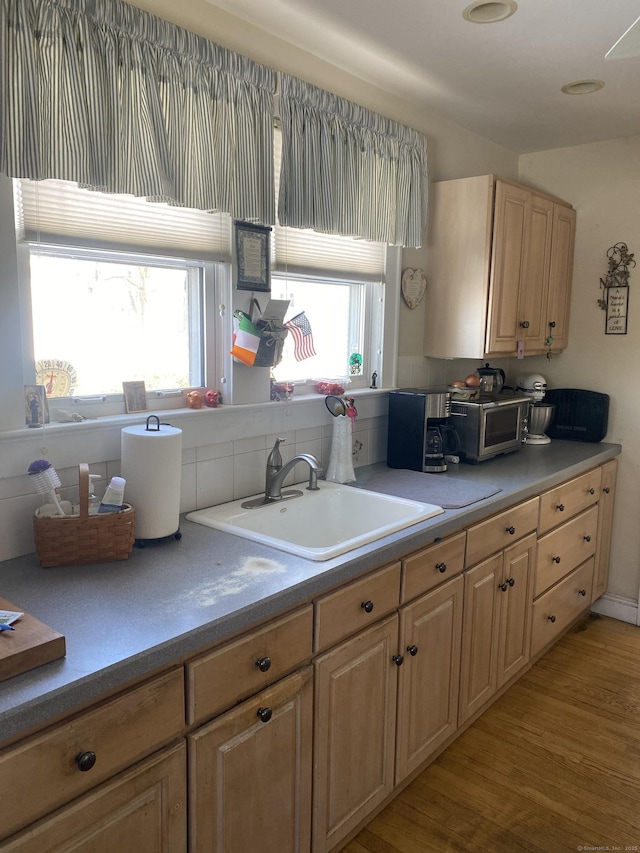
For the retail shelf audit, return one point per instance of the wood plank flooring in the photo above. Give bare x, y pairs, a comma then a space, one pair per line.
553, 766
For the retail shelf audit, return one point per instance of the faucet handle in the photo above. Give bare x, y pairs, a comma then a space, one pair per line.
275, 459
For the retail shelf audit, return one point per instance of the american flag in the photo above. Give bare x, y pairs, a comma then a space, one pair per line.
302, 336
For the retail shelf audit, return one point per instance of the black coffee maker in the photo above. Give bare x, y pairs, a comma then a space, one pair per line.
419, 435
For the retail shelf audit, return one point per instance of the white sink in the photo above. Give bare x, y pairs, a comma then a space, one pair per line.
319, 524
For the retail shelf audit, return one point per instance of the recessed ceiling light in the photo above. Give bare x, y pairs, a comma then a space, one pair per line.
484, 12
583, 87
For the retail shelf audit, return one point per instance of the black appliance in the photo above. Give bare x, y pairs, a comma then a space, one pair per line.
419, 435
579, 415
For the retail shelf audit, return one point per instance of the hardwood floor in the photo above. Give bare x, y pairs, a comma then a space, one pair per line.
553, 766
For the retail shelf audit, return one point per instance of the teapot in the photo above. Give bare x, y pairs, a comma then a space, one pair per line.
491, 379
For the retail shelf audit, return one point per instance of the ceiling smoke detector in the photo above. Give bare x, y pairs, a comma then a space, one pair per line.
485, 12
583, 87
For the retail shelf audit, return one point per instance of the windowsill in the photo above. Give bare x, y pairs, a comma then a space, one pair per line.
179, 414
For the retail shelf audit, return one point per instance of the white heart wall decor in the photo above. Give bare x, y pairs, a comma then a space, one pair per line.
414, 285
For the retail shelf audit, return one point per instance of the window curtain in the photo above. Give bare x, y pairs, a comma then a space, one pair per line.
102, 93
347, 170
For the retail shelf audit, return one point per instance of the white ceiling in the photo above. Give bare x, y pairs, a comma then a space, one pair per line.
500, 80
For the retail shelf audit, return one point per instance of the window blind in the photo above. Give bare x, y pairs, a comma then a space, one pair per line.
62, 213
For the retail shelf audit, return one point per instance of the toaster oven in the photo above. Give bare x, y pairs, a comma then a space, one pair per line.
489, 426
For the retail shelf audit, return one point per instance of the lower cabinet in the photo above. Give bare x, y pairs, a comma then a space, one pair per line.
250, 774
496, 633
605, 526
142, 809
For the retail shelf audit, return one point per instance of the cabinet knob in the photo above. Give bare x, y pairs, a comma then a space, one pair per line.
263, 664
510, 530
606, 490
587, 538
511, 581
524, 324
367, 606
413, 650
560, 507
552, 324
265, 714
551, 618
441, 567
582, 591
503, 586
555, 559
398, 660
85, 761
591, 491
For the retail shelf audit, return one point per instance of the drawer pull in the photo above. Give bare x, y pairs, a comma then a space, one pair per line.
560, 507
264, 664
551, 618
582, 591
265, 714
503, 586
587, 538
398, 660
441, 567
510, 530
591, 491
367, 606
85, 761
555, 559
606, 490
413, 650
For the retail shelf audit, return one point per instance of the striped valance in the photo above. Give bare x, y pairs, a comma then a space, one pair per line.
347, 170
102, 93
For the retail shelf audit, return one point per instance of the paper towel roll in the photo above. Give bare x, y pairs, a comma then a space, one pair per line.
152, 467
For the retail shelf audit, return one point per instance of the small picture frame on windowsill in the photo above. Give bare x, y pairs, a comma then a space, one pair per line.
252, 257
135, 397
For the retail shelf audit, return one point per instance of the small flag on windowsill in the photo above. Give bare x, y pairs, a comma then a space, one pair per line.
302, 336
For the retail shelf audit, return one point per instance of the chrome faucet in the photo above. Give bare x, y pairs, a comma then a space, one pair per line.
276, 471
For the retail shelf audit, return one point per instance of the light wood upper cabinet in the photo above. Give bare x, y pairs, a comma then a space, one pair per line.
500, 266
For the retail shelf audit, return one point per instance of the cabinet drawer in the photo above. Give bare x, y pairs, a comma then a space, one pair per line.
426, 569
356, 606
558, 607
569, 499
244, 666
502, 530
566, 547
43, 772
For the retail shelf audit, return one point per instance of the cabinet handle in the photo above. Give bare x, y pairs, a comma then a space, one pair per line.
263, 664
591, 491
398, 660
503, 586
441, 567
555, 559
582, 591
511, 581
551, 618
587, 538
265, 714
85, 761
367, 606
524, 324
510, 530
606, 490
552, 324
560, 507
413, 650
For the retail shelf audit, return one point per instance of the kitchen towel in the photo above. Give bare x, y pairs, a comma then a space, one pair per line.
449, 493
152, 467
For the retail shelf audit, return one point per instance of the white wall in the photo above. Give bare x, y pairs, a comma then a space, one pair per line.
602, 181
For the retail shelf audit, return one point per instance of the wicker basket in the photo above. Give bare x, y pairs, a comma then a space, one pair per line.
84, 538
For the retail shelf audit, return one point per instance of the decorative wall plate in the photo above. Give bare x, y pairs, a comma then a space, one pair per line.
414, 285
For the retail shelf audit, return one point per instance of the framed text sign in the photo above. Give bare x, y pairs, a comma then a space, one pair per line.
617, 309
252, 257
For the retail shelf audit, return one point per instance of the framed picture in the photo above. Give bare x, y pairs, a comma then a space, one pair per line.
36, 408
135, 396
252, 257
617, 310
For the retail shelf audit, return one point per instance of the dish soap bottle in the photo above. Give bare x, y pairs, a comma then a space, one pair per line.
94, 500
114, 496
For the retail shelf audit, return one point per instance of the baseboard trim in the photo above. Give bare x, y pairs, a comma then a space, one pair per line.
623, 609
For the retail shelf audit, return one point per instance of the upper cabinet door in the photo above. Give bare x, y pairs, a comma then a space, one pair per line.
561, 272
534, 286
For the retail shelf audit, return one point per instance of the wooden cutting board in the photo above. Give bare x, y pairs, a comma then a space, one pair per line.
30, 645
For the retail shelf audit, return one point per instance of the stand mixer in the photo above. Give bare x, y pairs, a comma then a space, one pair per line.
534, 386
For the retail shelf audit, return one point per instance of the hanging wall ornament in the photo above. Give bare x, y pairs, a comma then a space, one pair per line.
414, 285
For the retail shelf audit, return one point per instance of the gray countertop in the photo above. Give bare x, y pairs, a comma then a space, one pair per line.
125, 619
